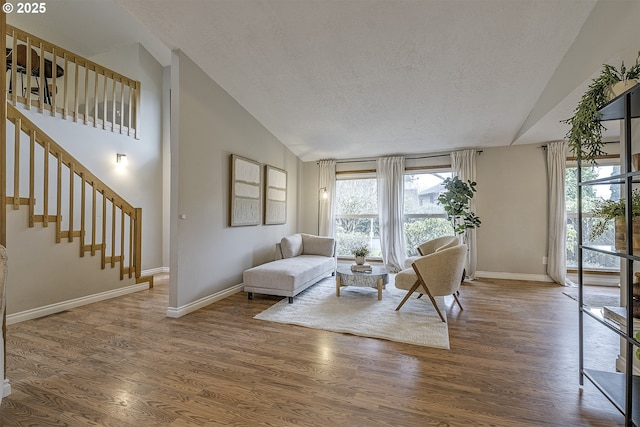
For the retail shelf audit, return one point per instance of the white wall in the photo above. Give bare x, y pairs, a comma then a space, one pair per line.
207, 126
512, 203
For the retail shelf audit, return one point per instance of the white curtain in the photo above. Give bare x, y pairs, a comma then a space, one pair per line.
390, 174
557, 256
463, 164
327, 198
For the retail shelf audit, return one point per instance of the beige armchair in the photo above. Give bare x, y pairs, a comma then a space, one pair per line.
437, 274
432, 246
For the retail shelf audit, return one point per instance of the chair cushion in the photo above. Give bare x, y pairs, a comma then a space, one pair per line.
291, 246
317, 245
406, 279
288, 274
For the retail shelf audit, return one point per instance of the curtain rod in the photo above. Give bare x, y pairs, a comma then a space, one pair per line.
544, 146
431, 156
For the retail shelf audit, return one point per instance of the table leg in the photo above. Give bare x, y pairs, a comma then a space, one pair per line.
380, 289
337, 285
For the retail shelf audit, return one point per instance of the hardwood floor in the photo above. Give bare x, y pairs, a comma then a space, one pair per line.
513, 362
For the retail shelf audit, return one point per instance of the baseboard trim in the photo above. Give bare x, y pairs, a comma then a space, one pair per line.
77, 302
596, 280
513, 276
176, 312
6, 388
153, 271
621, 365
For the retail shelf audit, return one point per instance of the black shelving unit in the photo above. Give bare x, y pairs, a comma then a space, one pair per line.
622, 389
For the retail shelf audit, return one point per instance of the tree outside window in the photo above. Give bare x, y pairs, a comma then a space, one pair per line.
357, 216
424, 218
590, 195
357, 213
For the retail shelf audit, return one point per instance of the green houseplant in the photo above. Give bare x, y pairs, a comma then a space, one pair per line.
607, 210
360, 252
585, 132
456, 203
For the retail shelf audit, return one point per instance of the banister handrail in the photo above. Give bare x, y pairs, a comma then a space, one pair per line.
51, 148
42, 138
72, 57
99, 97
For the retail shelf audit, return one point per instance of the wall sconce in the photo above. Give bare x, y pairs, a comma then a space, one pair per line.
323, 193
121, 159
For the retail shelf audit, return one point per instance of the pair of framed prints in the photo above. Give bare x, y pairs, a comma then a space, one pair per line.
247, 191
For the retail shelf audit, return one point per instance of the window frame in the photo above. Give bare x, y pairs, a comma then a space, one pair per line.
571, 162
423, 216
357, 175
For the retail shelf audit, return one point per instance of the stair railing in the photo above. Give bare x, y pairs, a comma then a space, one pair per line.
90, 93
97, 216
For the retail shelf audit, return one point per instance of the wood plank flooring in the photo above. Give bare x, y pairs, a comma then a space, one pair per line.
513, 362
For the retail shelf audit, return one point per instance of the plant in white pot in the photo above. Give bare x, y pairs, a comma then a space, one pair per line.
360, 252
585, 132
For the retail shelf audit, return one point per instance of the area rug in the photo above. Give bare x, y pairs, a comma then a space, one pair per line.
594, 299
359, 312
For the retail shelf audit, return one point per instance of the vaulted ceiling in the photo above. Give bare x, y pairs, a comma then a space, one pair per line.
352, 78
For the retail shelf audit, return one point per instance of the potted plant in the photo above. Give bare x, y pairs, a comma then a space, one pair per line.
360, 252
607, 210
456, 203
585, 132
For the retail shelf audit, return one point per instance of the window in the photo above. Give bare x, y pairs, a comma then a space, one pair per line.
357, 216
590, 195
424, 218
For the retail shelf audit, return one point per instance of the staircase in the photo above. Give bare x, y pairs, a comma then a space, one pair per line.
42, 177
96, 215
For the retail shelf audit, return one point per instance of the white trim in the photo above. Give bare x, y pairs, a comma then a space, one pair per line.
176, 312
154, 271
596, 279
6, 388
34, 313
513, 276
621, 365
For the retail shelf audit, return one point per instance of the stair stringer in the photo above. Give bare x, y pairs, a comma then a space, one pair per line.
46, 277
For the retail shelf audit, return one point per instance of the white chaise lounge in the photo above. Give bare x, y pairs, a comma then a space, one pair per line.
301, 260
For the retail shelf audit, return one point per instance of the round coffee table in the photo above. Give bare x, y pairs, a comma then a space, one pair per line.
377, 279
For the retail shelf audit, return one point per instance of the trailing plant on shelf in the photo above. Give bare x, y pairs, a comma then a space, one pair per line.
585, 132
607, 210
456, 201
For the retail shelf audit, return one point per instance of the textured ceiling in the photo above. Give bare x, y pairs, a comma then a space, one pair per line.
360, 78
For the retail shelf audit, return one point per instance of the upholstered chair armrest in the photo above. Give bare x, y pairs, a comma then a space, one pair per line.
278, 252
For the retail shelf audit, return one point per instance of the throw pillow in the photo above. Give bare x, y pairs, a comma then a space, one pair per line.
317, 245
291, 246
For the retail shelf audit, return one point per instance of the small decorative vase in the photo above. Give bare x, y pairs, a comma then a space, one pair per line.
359, 260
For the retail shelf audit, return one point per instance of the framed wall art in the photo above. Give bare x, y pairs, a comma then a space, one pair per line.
275, 199
246, 191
